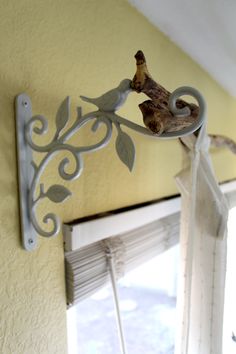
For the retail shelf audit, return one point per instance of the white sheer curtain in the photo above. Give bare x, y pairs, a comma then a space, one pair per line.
203, 252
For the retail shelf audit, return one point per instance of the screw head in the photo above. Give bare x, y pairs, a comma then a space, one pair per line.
25, 103
30, 241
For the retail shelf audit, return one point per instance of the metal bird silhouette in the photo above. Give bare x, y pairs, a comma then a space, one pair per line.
113, 99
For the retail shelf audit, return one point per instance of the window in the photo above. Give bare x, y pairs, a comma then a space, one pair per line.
120, 246
145, 260
147, 299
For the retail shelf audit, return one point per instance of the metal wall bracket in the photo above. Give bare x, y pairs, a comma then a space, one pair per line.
25, 170
30, 174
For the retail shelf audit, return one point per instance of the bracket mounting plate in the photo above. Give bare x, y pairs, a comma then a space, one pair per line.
25, 170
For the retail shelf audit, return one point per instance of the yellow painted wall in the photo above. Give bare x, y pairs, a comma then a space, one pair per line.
51, 49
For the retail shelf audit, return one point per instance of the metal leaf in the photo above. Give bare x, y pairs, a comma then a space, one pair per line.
125, 149
57, 193
63, 114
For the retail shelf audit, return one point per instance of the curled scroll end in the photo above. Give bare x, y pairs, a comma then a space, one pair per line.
42, 127
165, 113
197, 114
54, 221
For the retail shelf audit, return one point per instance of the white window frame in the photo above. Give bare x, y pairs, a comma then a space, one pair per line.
87, 232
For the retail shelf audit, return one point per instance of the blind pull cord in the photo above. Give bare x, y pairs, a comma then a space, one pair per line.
116, 299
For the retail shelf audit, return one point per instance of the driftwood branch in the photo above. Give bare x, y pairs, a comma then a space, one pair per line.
223, 141
156, 114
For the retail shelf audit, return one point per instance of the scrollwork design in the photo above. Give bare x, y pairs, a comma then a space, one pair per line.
57, 145
184, 112
124, 146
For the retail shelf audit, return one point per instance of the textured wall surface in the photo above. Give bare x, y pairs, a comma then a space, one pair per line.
51, 49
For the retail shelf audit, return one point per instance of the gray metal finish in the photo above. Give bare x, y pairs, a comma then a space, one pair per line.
25, 171
30, 173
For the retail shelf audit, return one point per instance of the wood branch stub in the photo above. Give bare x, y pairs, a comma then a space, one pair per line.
222, 141
156, 114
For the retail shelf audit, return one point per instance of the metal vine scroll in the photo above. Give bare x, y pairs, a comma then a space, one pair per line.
32, 192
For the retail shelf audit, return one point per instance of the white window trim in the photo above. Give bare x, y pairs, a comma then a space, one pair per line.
87, 232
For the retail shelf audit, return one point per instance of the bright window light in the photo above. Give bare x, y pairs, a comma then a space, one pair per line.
147, 297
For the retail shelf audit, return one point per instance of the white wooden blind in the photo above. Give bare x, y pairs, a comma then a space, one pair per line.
87, 269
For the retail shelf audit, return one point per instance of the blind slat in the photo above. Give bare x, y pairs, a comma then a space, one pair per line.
87, 268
